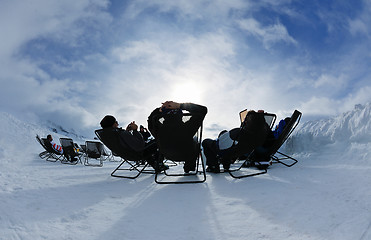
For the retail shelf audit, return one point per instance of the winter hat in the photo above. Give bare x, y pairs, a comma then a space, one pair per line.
107, 121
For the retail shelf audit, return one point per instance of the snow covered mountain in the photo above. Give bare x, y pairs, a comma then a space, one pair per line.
347, 129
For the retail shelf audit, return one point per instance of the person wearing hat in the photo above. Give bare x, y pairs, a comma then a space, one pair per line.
132, 138
174, 136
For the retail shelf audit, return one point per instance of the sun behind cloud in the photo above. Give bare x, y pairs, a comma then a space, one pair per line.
187, 92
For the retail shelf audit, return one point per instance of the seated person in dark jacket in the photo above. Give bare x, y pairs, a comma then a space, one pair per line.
133, 143
236, 142
174, 136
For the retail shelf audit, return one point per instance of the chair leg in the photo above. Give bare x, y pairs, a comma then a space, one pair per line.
64, 160
285, 157
43, 155
53, 157
100, 164
133, 167
168, 175
255, 173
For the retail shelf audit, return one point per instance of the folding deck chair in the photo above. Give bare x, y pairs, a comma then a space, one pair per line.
272, 151
130, 167
69, 145
277, 157
50, 154
171, 175
93, 150
106, 154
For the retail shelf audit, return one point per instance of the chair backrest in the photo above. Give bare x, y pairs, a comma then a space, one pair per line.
180, 147
103, 150
270, 118
66, 142
41, 142
83, 147
111, 138
93, 149
289, 128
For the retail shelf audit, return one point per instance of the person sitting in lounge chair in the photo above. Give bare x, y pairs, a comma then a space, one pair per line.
236, 142
175, 136
133, 143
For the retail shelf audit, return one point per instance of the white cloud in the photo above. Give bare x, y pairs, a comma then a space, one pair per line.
268, 34
330, 81
360, 24
21, 21
164, 50
184, 9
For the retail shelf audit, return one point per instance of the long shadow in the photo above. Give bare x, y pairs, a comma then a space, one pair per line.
164, 212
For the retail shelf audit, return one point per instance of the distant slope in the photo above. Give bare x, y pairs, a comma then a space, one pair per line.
17, 136
353, 127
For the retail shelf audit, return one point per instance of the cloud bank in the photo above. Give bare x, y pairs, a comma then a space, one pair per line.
73, 62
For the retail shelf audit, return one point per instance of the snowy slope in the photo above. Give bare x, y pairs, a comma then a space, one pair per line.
325, 196
349, 128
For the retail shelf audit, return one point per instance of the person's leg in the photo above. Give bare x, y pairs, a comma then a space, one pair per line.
69, 153
211, 152
152, 156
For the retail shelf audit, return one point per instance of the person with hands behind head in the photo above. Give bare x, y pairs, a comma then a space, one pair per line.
175, 136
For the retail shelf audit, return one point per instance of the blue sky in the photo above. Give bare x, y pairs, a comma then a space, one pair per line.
72, 62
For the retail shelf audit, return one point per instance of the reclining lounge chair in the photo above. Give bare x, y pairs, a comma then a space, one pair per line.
132, 164
93, 150
173, 176
173, 147
50, 154
69, 150
272, 152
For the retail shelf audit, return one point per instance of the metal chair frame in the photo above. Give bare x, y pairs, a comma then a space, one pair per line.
50, 154
133, 165
68, 142
90, 148
199, 161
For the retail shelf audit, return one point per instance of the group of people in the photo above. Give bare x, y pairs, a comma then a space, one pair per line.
173, 137
69, 152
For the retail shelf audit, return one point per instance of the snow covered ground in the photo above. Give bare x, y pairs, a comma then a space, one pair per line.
325, 196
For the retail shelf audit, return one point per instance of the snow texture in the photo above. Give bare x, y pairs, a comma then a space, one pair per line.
325, 196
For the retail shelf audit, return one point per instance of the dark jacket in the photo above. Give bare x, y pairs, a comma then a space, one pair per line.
252, 134
132, 139
174, 135
129, 145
